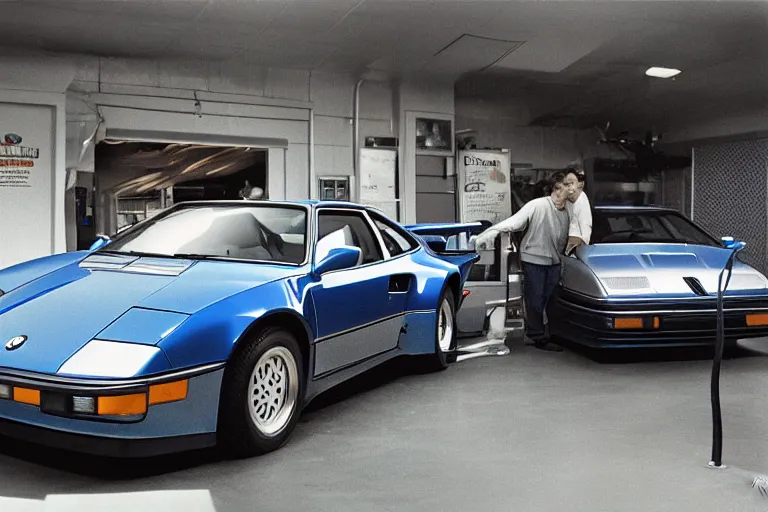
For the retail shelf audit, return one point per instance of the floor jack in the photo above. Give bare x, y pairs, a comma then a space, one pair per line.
494, 343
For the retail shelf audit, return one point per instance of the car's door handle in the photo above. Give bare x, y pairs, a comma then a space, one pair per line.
400, 283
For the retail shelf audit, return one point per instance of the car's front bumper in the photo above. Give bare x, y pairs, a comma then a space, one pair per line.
682, 323
164, 428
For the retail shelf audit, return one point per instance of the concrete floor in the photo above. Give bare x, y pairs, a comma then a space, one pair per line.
530, 431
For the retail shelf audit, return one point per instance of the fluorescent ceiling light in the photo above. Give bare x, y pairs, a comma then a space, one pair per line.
662, 72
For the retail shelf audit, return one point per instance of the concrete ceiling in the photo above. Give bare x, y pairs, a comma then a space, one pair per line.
568, 62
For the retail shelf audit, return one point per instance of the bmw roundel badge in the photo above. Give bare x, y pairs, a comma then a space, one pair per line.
15, 343
12, 139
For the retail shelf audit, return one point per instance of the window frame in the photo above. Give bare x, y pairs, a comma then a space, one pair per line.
414, 244
228, 204
348, 211
661, 213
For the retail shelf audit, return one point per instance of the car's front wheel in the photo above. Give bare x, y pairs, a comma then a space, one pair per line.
262, 394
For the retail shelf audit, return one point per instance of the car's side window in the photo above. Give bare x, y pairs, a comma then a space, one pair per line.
336, 229
396, 241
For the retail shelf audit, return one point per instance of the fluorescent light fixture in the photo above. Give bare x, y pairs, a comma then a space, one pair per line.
662, 72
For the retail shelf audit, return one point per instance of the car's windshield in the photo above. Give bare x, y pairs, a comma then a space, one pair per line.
256, 233
647, 227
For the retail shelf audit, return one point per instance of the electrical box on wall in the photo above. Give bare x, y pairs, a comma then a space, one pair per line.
333, 188
381, 142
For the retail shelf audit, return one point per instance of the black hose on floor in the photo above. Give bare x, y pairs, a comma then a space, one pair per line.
717, 420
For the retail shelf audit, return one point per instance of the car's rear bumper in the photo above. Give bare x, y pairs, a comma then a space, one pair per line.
682, 323
164, 428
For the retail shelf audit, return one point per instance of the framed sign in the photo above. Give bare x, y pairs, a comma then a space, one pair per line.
434, 135
26, 182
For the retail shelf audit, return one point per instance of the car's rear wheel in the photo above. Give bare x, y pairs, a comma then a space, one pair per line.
262, 394
445, 333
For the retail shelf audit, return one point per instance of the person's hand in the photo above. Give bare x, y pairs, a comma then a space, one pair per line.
483, 241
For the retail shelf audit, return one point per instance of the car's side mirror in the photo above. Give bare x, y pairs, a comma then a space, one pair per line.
731, 243
338, 259
101, 241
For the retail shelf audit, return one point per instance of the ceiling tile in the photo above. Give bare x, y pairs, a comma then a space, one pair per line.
83, 6
315, 16
214, 34
206, 52
257, 12
162, 10
472, 53
294, 58
343, 61
551, 54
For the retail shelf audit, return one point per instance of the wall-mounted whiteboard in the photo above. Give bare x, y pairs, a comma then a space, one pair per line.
378, 172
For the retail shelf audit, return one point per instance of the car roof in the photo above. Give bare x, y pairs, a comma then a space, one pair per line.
274, 202
630, 208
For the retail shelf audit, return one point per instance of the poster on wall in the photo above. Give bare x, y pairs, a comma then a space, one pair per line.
484, 176
26, 190
378, 172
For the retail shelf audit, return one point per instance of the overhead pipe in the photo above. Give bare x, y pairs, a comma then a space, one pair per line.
356, 140
312, 178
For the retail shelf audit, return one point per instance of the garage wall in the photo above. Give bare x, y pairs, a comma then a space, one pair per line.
258, 99
333, 98
730, 194
32, 211
430, 98
504, 126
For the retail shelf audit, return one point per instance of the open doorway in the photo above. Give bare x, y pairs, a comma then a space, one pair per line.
135, 180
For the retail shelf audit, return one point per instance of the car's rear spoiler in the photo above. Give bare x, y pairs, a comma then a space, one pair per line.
449, 242
448, 229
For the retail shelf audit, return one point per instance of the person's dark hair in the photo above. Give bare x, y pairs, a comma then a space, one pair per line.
549, 183
576, 172
557, 177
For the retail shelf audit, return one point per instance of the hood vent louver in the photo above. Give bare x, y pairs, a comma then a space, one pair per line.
695, 285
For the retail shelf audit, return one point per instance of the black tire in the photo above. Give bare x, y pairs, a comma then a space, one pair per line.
238, 433
441, 359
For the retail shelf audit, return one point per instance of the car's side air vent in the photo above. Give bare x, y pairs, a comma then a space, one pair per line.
695, 285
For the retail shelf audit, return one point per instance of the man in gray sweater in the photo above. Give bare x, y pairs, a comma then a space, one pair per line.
546, 220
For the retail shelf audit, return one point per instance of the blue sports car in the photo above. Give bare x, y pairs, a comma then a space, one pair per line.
216, 323
650, 279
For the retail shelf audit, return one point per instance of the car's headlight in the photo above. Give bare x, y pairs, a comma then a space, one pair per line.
99, 358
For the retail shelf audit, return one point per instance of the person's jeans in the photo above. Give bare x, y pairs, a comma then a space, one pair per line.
539, 283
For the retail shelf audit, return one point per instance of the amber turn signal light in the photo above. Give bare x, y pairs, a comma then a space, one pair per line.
637, 323
26, 396
169, 392
757, 319
628, 323
125, 405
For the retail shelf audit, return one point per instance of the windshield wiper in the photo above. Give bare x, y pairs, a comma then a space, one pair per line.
191, 256
180, 255
136, 253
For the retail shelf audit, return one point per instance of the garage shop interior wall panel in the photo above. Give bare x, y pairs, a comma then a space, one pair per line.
542, 147
730, 192
333, 97
430, 99
27, 166
330, 95
676, 190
